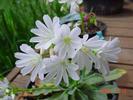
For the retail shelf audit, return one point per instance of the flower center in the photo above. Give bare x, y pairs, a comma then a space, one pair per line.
67, 40
95, 51
85, 50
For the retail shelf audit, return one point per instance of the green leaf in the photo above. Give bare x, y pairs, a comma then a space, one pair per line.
108, 89
82, 95
100, 96
58, 96
115, 74
45, 90
93, 79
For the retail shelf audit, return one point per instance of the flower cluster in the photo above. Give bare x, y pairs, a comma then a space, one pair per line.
5, 93
60, 53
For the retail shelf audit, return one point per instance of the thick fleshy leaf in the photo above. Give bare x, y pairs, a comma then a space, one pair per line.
115, 74
109, 89
93, 79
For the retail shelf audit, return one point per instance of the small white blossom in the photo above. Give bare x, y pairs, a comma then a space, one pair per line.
85, 56
107, 53
74, 4
59, 68
50, 0
46, 33
29, 61
5, 93
68, 43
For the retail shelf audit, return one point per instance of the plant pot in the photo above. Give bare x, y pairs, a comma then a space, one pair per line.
94, 29
104, 7
113, 97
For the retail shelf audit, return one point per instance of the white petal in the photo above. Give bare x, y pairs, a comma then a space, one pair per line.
36, 39
76, 31
39, 32
65, 77
35, 72
59, 76
27, 49
85, 38
48, 21
50, 76
26, 70
20, 55
73, 74
56, 20
41, 26
22, 63
65, 30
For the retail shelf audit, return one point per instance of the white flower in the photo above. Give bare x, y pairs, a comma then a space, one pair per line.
68, 43
74, 4
29, 61
50, 0
5, 93
85, 57
59, 68
107, 53
46, 33
93, 43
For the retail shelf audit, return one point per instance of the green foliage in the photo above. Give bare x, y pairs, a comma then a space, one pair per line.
115, 74
17, 17
91, 86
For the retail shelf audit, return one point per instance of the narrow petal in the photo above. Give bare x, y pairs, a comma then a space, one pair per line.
48, 21
59, 76
35, 72
26, 70
27, 49
73, 74
76, 31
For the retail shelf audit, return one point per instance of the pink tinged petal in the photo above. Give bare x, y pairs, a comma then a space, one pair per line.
26, 70
75, 32
73, 74
27, 49
59, 76
48, 21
